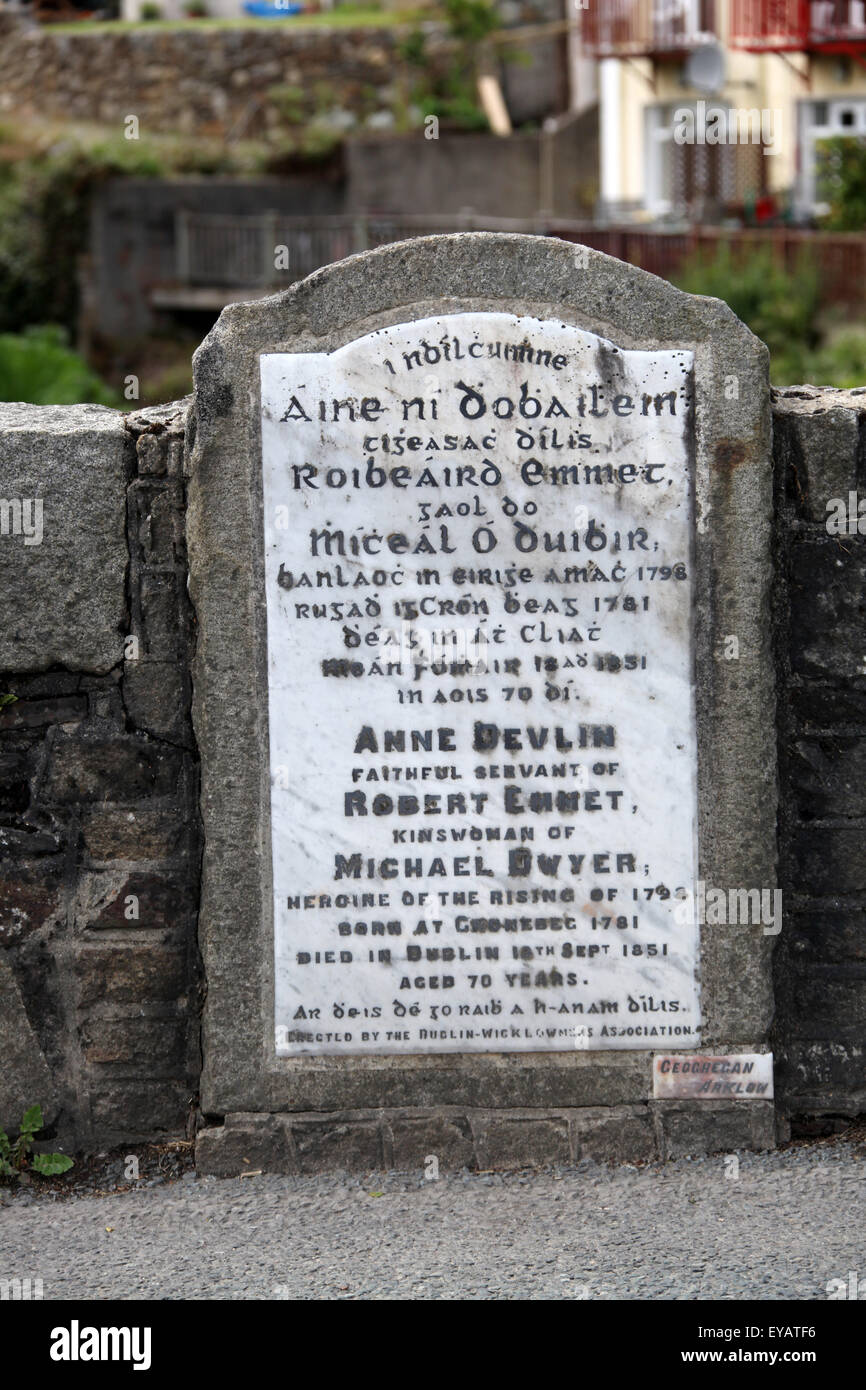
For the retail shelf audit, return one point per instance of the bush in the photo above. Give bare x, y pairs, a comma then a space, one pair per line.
471, 20
150, 11
44, 216
39, 367
779, 306
452, 95
841, 361
841, 182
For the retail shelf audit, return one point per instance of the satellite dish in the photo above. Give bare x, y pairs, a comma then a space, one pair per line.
704, 69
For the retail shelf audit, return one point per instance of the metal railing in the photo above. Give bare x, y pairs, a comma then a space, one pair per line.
642, 28
784, 26
270, 251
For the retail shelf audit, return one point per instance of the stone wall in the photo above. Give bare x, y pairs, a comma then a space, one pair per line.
820, 963
99, 836
100, 1008
495, 177
216, 82
197, 80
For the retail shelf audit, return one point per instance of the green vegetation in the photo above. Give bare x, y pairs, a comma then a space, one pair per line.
472, 21
451, 95
38, 366
308, 134
346, 17
841, 183
780, 306
45, 201
13, 1156
840, 360
783, 308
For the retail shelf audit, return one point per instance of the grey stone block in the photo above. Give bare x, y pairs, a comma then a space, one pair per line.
520, 1140
25, 1079
332, 1144
611, 1135
244, 1143
365, 1141
115, 833
64, 598
155, 694
119, 770
822, 433
415, 1138
707, 1127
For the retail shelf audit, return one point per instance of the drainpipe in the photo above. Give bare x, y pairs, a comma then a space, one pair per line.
610, 131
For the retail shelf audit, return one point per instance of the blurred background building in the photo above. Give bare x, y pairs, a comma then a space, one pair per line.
159, 158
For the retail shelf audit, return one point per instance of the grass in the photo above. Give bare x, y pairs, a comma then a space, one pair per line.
345, 18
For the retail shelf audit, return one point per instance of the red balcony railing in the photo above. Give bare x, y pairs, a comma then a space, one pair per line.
646, 28
805, 26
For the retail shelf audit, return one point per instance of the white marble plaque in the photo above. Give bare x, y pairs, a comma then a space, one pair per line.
482, 732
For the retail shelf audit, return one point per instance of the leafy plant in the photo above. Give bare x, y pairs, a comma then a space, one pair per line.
413, 49
39, 366
839, 361
471, 20
780, 306
150, 11
13, 1156
290, 101
841, 182
452, 94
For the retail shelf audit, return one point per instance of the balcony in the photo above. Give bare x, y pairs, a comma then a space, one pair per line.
647, 28
798, 26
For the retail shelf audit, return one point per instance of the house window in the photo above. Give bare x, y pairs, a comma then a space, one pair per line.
821, 120
699, 179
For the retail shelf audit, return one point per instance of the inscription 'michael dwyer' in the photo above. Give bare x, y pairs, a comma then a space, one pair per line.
482, 734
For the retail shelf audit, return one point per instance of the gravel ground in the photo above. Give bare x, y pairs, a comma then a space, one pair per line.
787, 1224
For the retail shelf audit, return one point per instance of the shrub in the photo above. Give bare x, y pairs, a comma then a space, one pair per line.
38, 366
841, 182
841, 361
780, 306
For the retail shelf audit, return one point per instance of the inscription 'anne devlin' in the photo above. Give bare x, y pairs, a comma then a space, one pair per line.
485, 738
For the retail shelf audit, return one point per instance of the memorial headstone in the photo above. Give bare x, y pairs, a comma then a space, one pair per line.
479, 547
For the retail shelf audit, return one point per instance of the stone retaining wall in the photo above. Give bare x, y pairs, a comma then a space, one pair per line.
100, 1007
